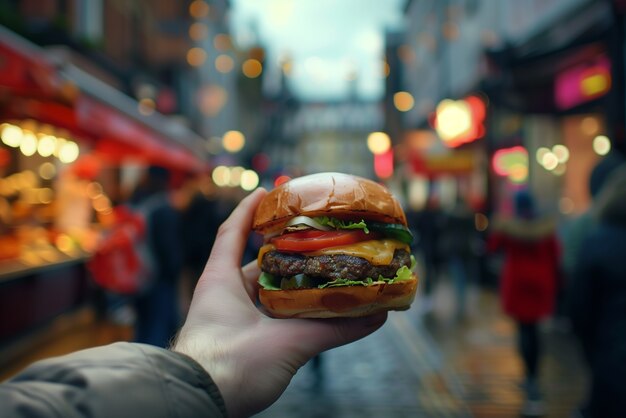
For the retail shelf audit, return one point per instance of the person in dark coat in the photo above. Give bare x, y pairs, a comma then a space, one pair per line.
229, 359
457, 243
200, 218
597, 300
157, 309
528, 283
427, 224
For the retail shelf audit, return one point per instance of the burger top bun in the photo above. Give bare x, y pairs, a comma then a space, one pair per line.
327, 194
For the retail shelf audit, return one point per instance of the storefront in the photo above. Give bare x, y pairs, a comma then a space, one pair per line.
548, 127
450, 156
69, 142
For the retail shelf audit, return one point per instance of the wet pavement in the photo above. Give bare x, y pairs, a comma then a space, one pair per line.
396, 372
436, 364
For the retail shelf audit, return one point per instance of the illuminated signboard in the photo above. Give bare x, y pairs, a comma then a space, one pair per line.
460, 121
583, 83
383, 164
511, 163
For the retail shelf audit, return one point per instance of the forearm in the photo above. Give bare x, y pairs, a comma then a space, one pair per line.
121, 379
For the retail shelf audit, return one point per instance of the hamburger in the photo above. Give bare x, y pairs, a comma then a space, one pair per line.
335, 245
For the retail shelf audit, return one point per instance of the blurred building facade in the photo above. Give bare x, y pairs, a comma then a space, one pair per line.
543, 72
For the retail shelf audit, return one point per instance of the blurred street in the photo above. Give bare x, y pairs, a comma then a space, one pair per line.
435, 366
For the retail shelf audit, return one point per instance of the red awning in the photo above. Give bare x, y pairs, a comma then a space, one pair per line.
23, 71
33, 86
120, 137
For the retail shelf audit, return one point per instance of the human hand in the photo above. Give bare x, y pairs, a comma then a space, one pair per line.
250, 356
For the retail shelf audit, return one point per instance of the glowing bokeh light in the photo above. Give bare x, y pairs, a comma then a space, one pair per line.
561, 152
281, 179
601, 145
383, 164
199, 9
252, 68
511, 163
453, 119
224, 63
47, 170
249, 180
403, 101
590, 125
221, 175
233, 141
235, 176
221, 42
541, 152
69, 152
47, 145
12, 135
28, 146
378, 142
198, 31
196, 56
549, 161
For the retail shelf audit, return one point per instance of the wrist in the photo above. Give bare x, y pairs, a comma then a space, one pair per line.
214, 359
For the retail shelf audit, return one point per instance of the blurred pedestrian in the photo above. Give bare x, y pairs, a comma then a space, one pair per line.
597, 300
157, 308
427, 223
528, 284
578, 228
200, 219
458, 241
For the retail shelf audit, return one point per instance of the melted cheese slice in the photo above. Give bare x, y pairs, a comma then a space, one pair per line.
264, 249
377, 252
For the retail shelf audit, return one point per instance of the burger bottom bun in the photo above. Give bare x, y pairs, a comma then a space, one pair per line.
345, 301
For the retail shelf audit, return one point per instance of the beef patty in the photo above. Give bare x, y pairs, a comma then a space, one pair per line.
331, 267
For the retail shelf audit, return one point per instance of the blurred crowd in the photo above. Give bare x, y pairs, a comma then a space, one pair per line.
545, 268
180, 219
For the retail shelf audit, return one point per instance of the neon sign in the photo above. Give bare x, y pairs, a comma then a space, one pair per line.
458, 122
511, 163
583, 83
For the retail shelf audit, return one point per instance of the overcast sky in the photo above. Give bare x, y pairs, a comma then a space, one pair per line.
327, 40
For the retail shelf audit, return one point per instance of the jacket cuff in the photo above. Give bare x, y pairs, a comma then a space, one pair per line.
205, 381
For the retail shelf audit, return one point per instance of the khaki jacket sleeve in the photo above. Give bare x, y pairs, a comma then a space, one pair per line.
118, 380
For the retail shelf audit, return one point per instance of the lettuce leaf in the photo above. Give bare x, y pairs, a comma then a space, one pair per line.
269, 282
396, 231
339, 224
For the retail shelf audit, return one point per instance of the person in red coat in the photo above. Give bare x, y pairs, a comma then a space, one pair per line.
528, 283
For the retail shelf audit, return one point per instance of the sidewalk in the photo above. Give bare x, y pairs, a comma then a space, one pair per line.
481, 349
396, 372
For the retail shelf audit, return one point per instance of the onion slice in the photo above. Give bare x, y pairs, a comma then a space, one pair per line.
298, 223
305, 220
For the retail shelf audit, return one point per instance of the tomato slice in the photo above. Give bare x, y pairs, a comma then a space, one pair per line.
313, 240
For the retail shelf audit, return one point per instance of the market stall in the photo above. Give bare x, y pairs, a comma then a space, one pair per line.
67, 140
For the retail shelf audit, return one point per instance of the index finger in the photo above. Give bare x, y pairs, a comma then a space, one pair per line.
232, 235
